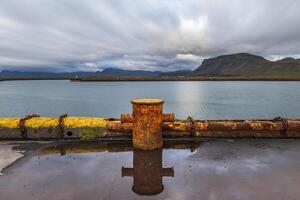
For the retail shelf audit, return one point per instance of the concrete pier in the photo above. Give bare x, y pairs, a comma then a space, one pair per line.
146, 126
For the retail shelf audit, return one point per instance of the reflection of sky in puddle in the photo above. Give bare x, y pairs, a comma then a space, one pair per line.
243, 169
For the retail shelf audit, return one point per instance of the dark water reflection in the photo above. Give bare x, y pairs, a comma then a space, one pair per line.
213, 169
147, 172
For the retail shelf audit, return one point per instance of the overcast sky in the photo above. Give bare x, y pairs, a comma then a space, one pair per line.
166, 35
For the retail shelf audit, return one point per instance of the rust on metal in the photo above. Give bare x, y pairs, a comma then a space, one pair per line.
191, 125
294, 125
22, 124
176, 126
60, 126
119, 127
147, 118
126, 118
170, 117
274, 128
147, 123
228, 125
285, 125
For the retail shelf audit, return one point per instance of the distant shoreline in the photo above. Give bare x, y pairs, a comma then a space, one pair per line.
33, 78
121, 79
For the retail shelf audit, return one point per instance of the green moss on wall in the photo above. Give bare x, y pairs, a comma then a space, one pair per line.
92, 133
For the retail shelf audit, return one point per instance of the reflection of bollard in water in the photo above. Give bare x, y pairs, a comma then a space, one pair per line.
147, 118
147, 172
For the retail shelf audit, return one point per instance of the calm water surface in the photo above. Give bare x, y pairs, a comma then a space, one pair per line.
213, 169
207, 100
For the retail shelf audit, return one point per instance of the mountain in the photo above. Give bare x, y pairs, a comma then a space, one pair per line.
177, 73
108, 72
240, 65
247, 65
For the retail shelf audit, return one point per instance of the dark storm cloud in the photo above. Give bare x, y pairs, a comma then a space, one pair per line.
164, 35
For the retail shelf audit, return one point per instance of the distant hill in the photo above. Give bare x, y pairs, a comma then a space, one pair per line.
108, 72
247, 65
234, 66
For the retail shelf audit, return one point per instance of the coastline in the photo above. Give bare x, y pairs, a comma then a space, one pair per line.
131, 78
196, 78
33, 78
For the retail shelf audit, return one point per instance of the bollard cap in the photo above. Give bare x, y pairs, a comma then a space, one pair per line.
147, 101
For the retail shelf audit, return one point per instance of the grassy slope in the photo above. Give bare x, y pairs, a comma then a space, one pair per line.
245, 65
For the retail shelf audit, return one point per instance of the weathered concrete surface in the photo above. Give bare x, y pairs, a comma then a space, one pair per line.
8, 155
12, 151
240, 169
41, 128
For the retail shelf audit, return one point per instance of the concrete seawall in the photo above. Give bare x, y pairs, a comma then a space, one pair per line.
90, 128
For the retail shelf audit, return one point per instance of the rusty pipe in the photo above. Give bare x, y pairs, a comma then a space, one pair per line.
119, 127
289, 128
229, 125
170, 117
126, 118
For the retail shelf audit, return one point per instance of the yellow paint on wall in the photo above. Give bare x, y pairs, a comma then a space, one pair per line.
77, 122
9, 122
38, 122
70, 122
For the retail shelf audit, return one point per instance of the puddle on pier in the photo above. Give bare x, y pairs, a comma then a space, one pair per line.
213, 169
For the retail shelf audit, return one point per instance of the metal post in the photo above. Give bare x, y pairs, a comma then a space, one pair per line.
147, 119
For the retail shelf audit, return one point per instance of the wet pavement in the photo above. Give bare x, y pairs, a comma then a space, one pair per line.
209, 169
8, 155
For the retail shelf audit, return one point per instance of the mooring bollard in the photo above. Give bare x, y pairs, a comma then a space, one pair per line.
147, 119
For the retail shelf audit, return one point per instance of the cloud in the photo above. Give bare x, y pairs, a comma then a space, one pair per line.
70, 35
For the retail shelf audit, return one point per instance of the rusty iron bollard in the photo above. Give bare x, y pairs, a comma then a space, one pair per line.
147, 119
